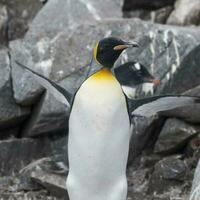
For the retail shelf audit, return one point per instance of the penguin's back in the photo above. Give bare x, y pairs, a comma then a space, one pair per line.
99, 132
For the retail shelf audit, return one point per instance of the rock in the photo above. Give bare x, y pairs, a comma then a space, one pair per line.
158, 16
174, 136
21, 13
137, 183
181, 79
44, 45
144, 134
195, 191
11, 114
3, 26
55, 184
17, 153
145, 4
168, 173
52, 165
187, 12
50, 173
161, 15
193, 92
9, 133
42, 194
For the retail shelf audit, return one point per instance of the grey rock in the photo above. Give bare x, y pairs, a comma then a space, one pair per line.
187, 12
41, 194
44, 47
174, 136
21, 13
52, 165
50, 173
3, 25
17, 153
195, 190
168, 173
181, 79
11, 114
158, 16
193, 92
144, 134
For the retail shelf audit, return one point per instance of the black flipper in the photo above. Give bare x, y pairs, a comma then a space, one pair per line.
56, 90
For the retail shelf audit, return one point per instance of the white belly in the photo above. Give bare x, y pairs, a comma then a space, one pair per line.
99, 132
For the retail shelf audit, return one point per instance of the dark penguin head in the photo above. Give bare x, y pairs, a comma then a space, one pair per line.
134, 73
107, 50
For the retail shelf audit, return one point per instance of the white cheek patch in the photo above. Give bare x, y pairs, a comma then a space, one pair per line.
137, 66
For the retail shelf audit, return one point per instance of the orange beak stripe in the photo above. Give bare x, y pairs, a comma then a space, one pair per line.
121, 47
156, 81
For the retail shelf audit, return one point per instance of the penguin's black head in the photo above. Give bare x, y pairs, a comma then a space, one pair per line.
134, 73
109, 49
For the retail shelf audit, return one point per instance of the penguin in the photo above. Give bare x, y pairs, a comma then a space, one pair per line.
99, 127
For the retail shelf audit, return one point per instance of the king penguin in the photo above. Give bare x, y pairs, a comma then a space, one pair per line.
99, 131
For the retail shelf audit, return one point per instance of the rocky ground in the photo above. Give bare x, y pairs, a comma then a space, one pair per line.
55, 39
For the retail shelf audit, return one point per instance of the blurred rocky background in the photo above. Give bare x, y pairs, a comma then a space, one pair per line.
55, 38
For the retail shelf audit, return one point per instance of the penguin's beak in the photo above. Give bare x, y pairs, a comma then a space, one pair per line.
155, 81
126, 45
151, 79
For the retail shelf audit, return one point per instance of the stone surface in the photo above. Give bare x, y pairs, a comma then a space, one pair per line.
17, 153
174, 135
44, 48
3, 26
195, 191
158, 16
11, 114
54, 183
187, 12
52, 165
148, 119
169, 170
21, 13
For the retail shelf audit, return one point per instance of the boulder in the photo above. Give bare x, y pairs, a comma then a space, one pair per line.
195, 191
168, 173
44, 46
11, 114
174, 136
17, 153
3, 25
186, 12
21, 13
53, 166
158, 16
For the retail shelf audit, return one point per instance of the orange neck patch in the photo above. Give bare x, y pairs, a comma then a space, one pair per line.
103, 74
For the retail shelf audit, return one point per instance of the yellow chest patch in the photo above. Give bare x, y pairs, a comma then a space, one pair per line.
103, 74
